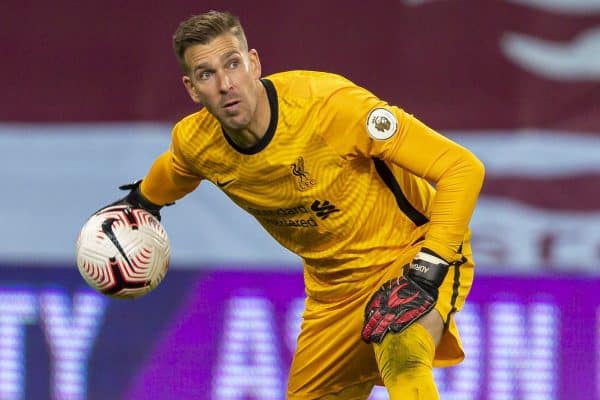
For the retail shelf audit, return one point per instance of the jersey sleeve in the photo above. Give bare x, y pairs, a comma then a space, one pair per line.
358, 124
169, 177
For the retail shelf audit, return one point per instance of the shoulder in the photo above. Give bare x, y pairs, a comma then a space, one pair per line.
200, 120
195, 129
308, 83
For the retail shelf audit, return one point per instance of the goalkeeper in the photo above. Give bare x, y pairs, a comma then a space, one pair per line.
377, 206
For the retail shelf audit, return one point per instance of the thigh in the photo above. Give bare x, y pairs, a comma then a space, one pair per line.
360, 391
330, 358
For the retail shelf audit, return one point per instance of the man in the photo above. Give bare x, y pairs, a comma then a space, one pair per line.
345, 181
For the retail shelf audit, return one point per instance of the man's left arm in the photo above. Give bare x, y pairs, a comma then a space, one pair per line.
458, 177
388, 133
456, 172
378, 130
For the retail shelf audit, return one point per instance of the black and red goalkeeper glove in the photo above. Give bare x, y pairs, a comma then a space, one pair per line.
403, 300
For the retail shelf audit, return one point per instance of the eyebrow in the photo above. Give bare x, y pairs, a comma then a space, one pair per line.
206, 65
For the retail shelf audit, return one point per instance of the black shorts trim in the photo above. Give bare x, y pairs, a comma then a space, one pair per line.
455, 286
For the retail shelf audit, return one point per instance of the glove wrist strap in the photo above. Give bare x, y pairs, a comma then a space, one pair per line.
428, 269
136, 199
139, 200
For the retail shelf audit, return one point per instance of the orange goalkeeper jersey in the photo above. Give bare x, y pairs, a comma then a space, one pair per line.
341, 178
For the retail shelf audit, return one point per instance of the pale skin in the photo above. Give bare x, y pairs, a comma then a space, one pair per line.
224, 76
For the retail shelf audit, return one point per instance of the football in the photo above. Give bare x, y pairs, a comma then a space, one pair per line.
123, 252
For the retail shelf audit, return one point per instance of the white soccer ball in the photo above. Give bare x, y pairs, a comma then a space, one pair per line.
123, 252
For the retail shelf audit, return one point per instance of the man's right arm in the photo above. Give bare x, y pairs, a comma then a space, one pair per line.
167, 180
165, 184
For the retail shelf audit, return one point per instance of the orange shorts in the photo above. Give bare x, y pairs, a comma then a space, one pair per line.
331, 356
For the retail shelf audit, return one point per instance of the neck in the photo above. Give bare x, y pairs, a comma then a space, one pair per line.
256, 129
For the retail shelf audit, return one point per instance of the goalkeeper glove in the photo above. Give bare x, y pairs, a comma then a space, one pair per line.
135, 199
403, 300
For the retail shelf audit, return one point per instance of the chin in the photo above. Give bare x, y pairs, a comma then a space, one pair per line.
235, 124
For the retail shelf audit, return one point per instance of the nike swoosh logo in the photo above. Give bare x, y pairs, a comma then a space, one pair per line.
224, 183
107, 228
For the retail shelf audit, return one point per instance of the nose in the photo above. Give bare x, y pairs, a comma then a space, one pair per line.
225, 82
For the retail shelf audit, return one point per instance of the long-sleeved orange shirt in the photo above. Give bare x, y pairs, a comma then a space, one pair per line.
341, 178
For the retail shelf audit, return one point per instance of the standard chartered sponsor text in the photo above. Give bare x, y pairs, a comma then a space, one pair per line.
285, 217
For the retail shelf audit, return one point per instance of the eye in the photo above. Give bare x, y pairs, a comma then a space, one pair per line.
233, 64
204, 75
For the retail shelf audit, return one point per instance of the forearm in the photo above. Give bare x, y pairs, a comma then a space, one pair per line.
457, 192
165, 182
456, 173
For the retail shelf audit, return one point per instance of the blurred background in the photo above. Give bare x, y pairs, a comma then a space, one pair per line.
90, 91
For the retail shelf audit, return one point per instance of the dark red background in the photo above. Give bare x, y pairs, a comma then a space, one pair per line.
112, 60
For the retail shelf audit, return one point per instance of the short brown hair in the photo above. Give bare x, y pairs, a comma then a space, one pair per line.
201, 29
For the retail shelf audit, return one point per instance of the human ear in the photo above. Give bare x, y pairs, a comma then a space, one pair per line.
189, 87
255, 63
